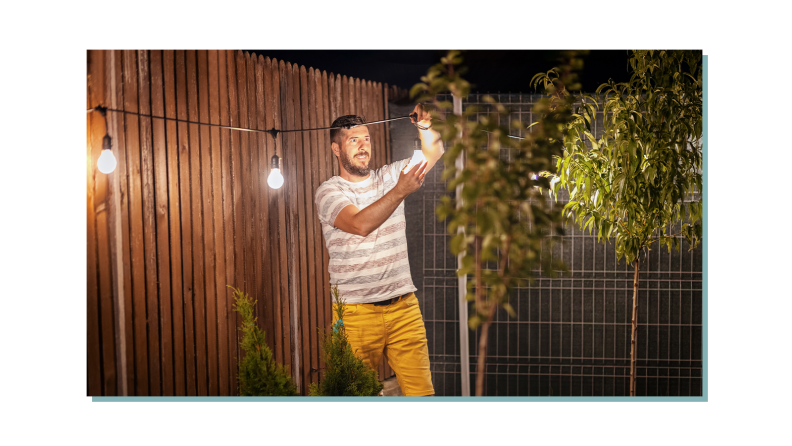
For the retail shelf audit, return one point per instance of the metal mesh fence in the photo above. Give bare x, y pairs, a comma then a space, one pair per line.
571, 336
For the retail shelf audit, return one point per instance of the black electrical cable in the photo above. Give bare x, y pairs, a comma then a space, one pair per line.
271, 132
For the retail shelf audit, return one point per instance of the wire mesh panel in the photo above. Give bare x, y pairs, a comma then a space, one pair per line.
571, 336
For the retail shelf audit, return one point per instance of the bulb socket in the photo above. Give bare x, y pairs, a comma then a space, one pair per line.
275, 162
106, 142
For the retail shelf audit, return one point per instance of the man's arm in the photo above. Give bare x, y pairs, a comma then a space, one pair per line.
363, 222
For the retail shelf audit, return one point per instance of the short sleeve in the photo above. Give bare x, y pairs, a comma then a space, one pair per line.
330, 200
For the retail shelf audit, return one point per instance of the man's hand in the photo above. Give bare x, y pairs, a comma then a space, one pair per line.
431, 144
424, 118
411, 180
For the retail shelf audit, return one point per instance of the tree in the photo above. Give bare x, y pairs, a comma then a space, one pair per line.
638, 181
503, 216
346, 374
259, 374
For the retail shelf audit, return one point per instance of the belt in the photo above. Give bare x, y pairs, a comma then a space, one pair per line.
392, 300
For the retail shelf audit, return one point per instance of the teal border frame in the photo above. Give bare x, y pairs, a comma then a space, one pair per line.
508, 399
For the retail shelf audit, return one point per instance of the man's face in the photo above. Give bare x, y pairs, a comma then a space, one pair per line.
355, 150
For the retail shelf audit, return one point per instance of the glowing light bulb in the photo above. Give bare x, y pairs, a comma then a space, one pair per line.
106, 162
417, 158
275, 179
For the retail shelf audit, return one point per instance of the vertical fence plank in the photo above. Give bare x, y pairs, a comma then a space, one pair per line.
354, 96
185, 197
374, 162
384, 125
175, 221
149, 223
291, 163
209, 304
298, 167
236, 159
99, 312
320, 98
267, 300
327, 99
367, 112
220, 309
376, 113
94, 335
338, 107
226, 97
307, 208
123, 177
136, 225
274, 198
103, 208
279, 90
317, 176
374, 116
199, 271
345, 102
161, 216
255, 189
376, 107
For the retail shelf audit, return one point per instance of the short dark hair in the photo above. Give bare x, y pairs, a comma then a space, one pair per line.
345, 122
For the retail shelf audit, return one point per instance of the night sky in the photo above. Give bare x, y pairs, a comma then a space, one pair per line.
490, 71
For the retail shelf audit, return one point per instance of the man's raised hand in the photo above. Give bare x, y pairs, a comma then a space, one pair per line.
411, 180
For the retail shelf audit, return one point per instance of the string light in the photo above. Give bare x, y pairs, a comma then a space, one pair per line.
106, 162
275, 179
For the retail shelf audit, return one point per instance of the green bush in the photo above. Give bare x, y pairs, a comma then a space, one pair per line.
259, 374
345, 373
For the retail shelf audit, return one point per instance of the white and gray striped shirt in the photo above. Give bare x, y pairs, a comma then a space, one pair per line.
372, 268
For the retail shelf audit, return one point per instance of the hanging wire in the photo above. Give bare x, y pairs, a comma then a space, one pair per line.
271, 131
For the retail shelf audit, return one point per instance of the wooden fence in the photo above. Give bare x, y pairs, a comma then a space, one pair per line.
188, 211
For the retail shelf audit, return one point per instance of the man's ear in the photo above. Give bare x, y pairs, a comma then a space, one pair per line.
336, 148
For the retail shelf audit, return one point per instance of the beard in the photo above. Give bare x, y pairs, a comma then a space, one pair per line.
357, 171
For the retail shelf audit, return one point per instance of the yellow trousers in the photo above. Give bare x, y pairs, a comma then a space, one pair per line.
399, 327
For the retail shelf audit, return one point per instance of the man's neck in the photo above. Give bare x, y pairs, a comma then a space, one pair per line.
352, 178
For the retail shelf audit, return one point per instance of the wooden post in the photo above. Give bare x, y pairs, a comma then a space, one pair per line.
634, 331
116, 247
464, 353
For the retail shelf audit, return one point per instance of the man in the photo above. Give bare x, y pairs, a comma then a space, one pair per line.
362, 216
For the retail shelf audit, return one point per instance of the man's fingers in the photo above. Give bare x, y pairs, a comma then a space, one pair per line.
414, 169
422, 169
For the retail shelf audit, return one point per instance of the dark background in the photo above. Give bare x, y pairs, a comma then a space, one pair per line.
490, 71
571, 333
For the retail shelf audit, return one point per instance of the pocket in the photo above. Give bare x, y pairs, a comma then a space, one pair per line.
348, 311
411, 300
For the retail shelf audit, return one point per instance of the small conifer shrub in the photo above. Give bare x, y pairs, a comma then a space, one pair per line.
259, 374
345, 373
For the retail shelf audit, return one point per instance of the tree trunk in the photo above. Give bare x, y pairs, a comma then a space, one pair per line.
634, 341
491, 306
484, 329
482, 353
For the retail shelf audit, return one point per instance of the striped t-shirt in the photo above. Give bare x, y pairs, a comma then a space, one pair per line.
372, 268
